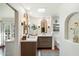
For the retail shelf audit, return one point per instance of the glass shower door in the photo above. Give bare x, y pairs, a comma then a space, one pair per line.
6, 32
1, 34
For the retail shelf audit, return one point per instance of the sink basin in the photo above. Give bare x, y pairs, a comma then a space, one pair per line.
32, 38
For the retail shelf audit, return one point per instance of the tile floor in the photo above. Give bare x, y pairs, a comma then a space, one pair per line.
48, 53
2, 52
39, 53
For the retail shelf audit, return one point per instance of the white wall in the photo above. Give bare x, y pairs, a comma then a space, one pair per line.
55, 34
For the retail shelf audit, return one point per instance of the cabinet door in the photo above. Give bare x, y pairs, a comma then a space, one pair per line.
44, 42
28, 48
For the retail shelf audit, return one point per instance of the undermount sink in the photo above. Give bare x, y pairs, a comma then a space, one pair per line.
31, 38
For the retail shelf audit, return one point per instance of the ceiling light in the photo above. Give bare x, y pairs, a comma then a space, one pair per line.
42, 10
28, 8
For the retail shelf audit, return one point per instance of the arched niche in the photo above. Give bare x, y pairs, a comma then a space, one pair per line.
44, 26
72, 27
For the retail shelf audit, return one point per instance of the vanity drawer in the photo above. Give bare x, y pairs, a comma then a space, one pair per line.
44, 42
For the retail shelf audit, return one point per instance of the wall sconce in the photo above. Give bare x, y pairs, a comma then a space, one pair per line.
22, 23
38, 26
48, 26
76, 24
71, 28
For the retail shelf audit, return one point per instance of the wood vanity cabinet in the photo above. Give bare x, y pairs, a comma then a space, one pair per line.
44, 42
28, 48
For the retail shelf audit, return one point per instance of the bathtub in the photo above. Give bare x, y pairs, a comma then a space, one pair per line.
69, 48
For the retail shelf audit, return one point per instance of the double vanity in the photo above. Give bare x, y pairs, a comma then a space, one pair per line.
30, 46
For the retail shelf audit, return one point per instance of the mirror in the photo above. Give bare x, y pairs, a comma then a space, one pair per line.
25, 24
44, 26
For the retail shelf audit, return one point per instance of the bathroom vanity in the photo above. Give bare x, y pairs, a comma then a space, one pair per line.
29, 47
44, 42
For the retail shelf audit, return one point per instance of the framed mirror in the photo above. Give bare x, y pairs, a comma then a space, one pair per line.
44, 26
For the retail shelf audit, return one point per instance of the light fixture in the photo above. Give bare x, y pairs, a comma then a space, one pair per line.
28, 8
24, 17
41, 10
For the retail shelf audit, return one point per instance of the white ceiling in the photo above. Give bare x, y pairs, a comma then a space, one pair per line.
51, 8
6, 11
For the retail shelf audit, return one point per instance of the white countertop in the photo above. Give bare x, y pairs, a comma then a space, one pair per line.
30, 39
34, 38
42, 34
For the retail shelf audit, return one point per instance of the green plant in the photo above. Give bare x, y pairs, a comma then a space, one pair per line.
34, 27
